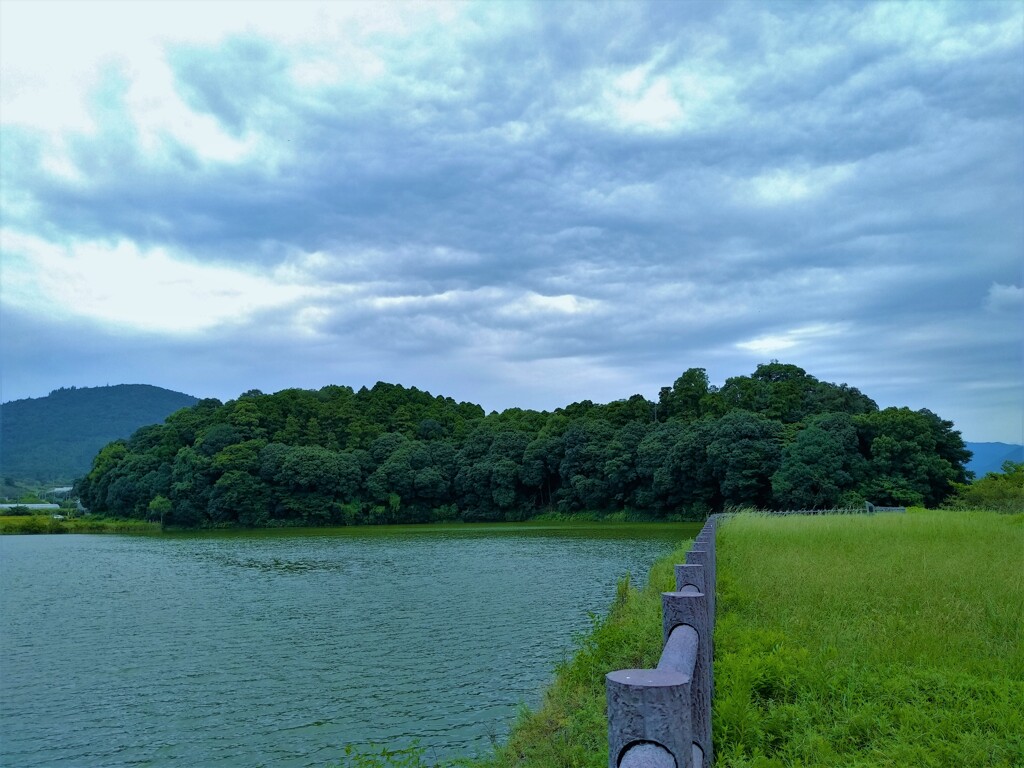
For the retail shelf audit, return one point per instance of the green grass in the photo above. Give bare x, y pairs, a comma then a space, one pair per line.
888, 640
29, 524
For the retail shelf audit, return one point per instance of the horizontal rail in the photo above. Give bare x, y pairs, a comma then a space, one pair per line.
647, 755
680, 652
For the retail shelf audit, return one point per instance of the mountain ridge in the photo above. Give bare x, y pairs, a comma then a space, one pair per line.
989, 457
53, 439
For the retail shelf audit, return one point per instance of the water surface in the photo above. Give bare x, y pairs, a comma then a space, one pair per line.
275, 648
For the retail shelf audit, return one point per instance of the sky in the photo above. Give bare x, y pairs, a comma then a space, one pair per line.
516, 204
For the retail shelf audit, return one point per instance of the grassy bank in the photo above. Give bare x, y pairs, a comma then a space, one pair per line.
888, 640
28, 524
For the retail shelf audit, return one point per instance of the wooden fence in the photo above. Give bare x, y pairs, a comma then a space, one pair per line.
868, 508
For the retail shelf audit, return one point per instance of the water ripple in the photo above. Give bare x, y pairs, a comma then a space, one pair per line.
278, 650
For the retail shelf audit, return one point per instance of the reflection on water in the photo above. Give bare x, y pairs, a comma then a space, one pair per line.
275, 648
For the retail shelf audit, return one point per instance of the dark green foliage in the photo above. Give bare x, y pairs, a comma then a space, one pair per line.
914, 457
788, 394
392, 454
742, 455
687, 399
821, 465
53, 439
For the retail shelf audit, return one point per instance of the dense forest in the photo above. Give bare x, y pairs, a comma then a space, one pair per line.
54, 439
779, 438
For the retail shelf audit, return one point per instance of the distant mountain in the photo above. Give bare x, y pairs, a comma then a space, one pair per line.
53, 439
989, 457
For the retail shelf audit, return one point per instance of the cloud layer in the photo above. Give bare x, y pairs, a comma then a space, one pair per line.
516, 206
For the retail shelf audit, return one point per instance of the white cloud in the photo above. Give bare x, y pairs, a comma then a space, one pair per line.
928, 31
1004, 298
651, 105
651, 99
433, 302
771, 344
565, 304
781, 186
122, 285
55, 55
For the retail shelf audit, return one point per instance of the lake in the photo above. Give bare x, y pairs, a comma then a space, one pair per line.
276, 648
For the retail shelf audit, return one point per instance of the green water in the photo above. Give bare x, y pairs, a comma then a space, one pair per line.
275, 648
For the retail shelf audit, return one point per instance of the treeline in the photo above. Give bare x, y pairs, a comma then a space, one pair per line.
778, 438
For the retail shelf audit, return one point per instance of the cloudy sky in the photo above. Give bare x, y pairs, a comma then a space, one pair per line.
515, 204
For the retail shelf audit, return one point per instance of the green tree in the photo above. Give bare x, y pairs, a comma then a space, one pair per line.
743, 454
539, 471
191, 483
159, 509
397, 454
584, 485
914, 457
245, 418
94, 487
687, 398
1001, 491
661, 484
238, 497
821, 465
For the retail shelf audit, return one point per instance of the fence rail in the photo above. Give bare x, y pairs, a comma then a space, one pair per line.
866, 509
661, 718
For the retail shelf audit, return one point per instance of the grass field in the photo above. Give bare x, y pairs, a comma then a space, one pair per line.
29, 524
887, 640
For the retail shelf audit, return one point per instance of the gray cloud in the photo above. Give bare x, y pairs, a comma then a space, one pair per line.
544, 209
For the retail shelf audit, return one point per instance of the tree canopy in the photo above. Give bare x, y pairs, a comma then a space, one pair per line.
777, 438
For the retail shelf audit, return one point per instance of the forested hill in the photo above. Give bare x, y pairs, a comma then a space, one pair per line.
776, 438
53, 439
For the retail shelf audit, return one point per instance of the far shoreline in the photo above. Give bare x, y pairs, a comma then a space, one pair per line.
46, 525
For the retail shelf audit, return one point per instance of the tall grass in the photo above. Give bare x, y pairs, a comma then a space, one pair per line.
888, 640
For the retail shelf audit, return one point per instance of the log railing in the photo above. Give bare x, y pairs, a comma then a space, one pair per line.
661, 718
